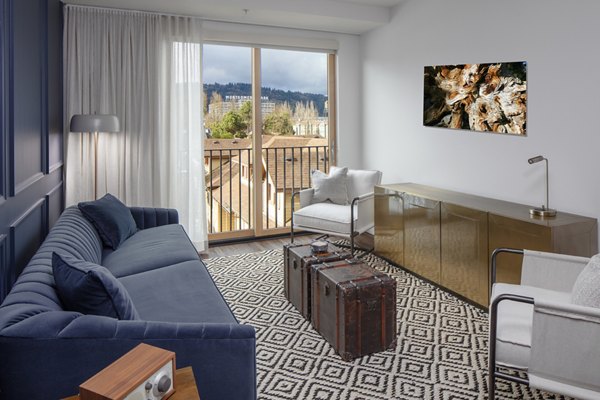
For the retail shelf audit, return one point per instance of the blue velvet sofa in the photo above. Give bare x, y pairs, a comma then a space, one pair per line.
46, 351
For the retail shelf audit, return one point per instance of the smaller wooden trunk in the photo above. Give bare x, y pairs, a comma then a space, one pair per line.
297, 262
354, 307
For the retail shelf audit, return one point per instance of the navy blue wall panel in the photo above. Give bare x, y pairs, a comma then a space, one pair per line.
3, 99
4, 280
54, 204
55, 84
26, 235
26, 95
31, 115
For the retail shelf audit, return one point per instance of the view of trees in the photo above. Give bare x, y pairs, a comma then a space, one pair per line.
279, 122
228, 119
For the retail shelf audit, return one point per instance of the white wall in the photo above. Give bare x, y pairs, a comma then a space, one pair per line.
560, 42
348, 72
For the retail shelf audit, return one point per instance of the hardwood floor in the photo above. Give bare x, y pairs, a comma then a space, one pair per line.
222, 250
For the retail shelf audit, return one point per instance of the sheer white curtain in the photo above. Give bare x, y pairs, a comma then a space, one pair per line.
146, 69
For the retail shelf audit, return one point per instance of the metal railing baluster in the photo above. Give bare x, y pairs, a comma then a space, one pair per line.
221, 190
210, 167
276, 183
267, 191
284, 185
230, 194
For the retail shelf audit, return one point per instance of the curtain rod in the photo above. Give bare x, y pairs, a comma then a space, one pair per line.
71, 5
166, 14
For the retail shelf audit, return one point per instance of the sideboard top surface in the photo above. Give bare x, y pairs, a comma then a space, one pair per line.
493, 206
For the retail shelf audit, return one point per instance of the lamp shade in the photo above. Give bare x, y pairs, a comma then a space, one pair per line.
94, 123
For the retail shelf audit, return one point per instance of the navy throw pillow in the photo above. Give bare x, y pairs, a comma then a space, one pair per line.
89, 288
111, 218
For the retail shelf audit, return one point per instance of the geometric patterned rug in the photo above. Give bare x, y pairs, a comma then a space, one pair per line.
441, 351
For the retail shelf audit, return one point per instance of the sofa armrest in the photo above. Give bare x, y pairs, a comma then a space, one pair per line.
564, 351
222, 356
150, 217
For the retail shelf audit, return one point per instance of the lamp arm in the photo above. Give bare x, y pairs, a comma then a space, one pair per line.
547, 186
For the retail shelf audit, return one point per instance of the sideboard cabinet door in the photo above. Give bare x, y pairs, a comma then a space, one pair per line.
422, 236
389, 225
465, 252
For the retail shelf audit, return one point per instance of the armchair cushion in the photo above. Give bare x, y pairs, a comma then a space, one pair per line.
586, 291
360, 182
324, 217
515, 321
332, 187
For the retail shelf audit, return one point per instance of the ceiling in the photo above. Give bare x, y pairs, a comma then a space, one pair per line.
341, 16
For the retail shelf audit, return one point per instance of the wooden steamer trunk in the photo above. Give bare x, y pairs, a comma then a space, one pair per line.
297, 262
354, 307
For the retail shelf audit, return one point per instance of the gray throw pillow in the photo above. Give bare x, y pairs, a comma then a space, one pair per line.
332, 187
586, 291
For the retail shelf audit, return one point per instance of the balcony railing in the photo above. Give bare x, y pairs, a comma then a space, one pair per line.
229, 184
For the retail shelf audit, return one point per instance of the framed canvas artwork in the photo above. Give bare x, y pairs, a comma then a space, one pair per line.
477, 97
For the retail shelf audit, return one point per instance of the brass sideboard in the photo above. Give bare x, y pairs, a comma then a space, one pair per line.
448, 237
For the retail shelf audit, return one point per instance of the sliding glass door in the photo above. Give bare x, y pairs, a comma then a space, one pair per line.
269, 118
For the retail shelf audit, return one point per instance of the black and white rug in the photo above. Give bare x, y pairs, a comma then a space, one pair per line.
441, 351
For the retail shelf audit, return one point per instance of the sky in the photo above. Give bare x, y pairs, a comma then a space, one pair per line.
281, 69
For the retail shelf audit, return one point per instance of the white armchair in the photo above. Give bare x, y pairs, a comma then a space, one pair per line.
535, 328
343, 220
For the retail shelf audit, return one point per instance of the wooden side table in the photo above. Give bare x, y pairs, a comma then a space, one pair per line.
185, 390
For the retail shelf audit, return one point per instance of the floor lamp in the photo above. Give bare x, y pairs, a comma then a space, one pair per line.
94, 123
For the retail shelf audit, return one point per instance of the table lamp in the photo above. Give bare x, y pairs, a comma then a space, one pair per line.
544, 210
94, 123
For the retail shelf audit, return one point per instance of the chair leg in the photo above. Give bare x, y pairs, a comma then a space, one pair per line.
292, 232
352, 245
492, 385
492, 351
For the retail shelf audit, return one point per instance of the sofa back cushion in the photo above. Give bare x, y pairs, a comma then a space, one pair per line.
360, 181
89, 288
112, 219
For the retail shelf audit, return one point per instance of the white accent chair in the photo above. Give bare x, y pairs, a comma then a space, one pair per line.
535, 328
346, 221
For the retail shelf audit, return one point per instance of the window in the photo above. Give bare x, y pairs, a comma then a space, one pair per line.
291, 92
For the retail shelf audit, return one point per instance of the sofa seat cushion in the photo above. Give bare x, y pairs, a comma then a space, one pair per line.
325, 216
184, 292
89, 288
150, 249
515, 321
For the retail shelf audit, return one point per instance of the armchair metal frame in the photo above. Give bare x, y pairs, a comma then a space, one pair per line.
493, 371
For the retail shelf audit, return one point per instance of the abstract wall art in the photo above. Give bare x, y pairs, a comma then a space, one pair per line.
478, 97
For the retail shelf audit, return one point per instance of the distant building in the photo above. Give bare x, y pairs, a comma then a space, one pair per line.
315, 127
234, 103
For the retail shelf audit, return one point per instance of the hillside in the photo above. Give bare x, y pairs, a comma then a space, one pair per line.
276, 95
